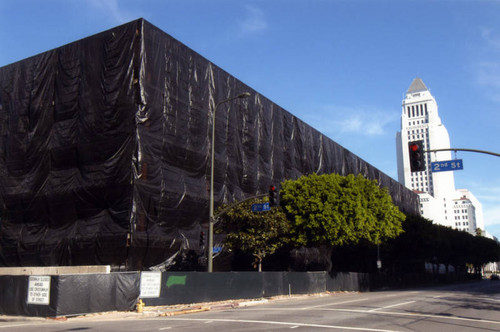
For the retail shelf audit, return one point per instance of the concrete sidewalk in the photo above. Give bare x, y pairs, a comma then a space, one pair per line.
147, 312
166, 311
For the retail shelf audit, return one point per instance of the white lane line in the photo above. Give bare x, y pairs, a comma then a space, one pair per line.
412, 314
332, 304
18, 325
284, 323
391, 306
398, 294
357, 300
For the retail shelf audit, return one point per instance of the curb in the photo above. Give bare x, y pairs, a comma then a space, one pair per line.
252, 303
220, 306
184, 312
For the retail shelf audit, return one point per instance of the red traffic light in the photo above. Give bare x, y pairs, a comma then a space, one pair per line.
416, 153
273, 196
414, 147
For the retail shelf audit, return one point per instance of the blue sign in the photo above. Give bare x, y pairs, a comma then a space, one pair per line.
216, 250
447, 165
261, 207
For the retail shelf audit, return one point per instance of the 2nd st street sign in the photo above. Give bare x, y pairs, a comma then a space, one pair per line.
447, 165
261, 207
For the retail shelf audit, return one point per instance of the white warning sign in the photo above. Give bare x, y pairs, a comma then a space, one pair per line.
39, 290
150, 284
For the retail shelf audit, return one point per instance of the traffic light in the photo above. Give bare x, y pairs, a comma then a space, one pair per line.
273, 196
202, 239
416, 152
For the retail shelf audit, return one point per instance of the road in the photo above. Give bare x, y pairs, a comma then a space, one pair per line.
464, 307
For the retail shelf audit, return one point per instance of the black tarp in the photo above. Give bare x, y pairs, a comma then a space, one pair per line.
72, 294
197, 287
105, 150
87, 293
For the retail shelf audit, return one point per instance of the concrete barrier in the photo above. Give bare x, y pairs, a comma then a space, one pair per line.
53, 270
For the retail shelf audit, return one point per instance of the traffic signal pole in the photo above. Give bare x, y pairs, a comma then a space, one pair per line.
416, 154
236, 204
468, 150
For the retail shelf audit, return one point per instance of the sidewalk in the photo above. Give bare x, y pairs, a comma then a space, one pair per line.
166, 311
147, 312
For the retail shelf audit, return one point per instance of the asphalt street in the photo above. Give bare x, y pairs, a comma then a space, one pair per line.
464, 307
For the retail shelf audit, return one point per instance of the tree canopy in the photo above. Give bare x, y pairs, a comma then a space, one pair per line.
352, 214
425, 242
258, 233
331, 209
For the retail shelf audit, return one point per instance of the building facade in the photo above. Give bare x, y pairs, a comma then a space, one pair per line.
439, 200
105, 150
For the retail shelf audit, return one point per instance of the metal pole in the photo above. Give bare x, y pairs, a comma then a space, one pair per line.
379, 262
211, 205
468, 150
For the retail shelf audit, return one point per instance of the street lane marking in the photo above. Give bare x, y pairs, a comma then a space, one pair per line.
416, 315
19, 325
331, 304
391, 306
284, 323
372, 311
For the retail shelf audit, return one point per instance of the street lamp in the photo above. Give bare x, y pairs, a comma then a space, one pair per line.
211, 221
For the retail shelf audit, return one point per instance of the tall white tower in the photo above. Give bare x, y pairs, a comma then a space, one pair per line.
420, 121
439, 201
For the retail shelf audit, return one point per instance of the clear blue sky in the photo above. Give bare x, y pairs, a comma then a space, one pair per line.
342, 66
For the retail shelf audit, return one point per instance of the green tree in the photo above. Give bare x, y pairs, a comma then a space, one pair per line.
484, 251
256, 233
334, 210
414, 247
424, 242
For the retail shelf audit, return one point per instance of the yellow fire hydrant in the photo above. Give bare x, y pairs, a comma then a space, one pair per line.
140, 306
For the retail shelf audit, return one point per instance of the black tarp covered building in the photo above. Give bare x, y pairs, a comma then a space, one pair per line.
105, 150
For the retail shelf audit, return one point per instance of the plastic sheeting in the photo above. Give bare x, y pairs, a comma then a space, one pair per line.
195, 287
105, 150
71, 294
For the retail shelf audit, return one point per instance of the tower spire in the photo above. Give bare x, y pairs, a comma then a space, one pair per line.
416, 86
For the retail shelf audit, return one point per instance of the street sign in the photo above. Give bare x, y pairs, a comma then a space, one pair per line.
217, 250
447, 165
261, 207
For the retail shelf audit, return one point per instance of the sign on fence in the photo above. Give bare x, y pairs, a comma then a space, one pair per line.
150, 284
39, 290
